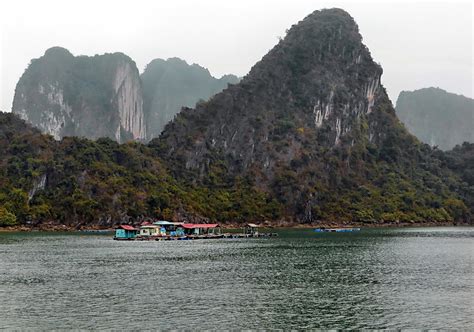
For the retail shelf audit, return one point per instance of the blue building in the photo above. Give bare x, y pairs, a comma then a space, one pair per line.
125, 232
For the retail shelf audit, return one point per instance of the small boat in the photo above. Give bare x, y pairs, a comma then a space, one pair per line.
337, 230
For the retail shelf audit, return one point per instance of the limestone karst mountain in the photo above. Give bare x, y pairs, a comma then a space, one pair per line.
168, 85
309, 135
103, 95
99, 96
312, 126
437, 117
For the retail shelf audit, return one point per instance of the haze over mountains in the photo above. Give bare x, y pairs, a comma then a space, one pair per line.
437, 117
309, 135
104, 96
171, 84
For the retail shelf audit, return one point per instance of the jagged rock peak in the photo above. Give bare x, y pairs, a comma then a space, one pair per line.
178, 63
320, 78
323, 62
98, 96
57, 51
325, 36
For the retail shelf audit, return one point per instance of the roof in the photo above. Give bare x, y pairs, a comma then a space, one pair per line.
127, 227
150, 226
162, 223
253, 225
200, 225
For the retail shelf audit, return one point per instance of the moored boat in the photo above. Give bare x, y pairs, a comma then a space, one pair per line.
337, 230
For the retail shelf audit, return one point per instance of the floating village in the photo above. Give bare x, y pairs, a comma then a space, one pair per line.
166, 230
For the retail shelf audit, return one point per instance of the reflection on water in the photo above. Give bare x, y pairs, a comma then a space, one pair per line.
383, 278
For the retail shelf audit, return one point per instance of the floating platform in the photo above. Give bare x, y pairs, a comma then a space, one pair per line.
197, 237
337, 230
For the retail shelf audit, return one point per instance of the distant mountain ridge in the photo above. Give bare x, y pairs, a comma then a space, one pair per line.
437, 117
171, 84
104, 95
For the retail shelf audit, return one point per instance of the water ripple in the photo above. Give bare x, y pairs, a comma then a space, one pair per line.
376, 279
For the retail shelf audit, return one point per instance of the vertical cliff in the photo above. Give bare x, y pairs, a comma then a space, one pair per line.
92, 97
39, 95
129, 100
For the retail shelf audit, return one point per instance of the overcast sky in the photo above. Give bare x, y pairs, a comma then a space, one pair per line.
418, 43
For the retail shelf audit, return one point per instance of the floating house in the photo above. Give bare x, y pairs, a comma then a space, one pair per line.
170, 228
125, 232
251, 229
201, 229
149, 230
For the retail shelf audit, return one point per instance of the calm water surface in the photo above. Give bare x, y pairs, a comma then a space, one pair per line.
383, 278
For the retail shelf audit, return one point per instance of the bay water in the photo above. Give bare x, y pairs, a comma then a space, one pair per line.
375, 279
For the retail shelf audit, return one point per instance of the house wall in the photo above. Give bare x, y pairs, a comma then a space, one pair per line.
124, 234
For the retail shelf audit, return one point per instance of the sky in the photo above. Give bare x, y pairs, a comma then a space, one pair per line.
419, 43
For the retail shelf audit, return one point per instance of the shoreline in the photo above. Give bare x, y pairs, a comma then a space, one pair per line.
233, 226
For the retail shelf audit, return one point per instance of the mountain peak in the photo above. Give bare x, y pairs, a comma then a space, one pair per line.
320, 77
331, 13
56, 51
328, 37
296, 118
335, 17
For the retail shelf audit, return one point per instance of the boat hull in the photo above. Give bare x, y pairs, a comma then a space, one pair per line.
336, 230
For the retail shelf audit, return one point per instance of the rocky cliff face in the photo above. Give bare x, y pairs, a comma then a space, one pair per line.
171, 84
312, 126
93, 97
437, 117
129, 100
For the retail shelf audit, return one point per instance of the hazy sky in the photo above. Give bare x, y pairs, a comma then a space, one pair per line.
418, 43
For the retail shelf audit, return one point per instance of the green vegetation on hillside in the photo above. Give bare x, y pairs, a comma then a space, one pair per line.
103, 183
